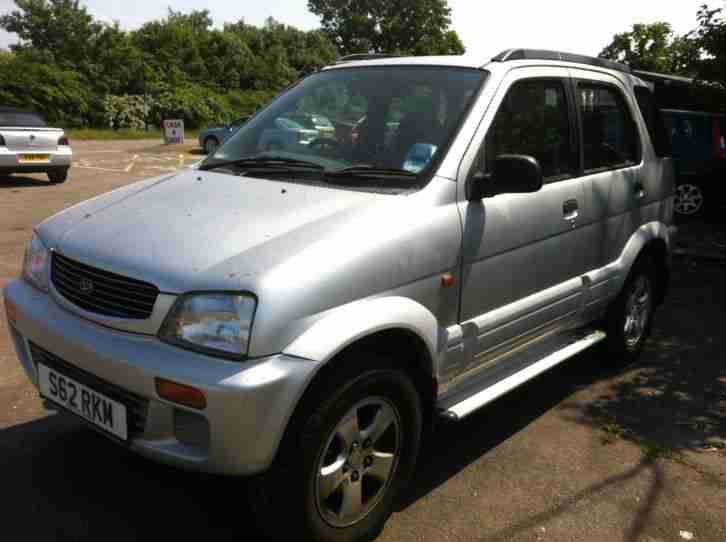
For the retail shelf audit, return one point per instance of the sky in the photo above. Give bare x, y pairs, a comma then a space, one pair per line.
566, 25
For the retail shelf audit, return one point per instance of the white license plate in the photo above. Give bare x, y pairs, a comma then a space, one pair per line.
82, 400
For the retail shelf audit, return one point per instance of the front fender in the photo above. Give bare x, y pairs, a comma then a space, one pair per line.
343, 326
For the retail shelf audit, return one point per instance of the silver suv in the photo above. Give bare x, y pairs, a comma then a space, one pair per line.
303, 313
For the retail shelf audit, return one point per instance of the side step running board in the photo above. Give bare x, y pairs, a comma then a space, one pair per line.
460, 407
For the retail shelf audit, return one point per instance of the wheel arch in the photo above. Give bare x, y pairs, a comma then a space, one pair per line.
397, 328
654, 240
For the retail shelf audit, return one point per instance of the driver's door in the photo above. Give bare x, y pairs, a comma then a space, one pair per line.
524, 254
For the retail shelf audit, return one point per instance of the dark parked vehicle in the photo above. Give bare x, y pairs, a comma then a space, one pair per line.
211, 138
698, 141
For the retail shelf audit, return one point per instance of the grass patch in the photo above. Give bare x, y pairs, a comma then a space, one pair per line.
82, 134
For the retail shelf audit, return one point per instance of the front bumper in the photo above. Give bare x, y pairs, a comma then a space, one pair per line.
248, 404
10, 159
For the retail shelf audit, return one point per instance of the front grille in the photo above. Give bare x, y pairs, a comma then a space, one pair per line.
101, 291
136, 406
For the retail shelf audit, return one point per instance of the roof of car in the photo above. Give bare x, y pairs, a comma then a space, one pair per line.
477, 62
463, 61
16, 110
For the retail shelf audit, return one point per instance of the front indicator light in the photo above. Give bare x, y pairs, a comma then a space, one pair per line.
180, 394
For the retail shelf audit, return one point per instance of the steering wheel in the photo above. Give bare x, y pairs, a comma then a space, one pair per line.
323, 143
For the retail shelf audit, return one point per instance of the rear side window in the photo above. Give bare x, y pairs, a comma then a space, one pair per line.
654, 121
533, 120
610, 136
21, 119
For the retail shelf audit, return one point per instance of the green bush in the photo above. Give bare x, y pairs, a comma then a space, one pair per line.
125, 112
196, 105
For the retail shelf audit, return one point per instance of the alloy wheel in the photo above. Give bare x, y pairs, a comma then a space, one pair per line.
637, 311
358, 462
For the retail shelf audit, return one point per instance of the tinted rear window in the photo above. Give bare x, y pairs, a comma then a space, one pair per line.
30, 120
653, 120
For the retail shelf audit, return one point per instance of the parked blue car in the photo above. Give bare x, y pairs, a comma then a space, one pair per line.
211, 138
698, 141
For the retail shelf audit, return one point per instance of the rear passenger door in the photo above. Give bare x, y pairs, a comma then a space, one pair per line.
612, 156
524, 254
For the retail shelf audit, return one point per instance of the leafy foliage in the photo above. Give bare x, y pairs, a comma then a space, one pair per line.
125, 112
79, 72
654, 47
711, 38
391, 26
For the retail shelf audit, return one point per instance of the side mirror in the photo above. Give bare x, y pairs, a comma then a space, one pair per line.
512, 174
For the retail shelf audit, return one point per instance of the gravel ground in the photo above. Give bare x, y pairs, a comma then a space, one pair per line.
583, 453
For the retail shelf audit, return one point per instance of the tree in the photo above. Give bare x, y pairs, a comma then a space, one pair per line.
711, 38
60, 30
654, 47
388, 26
80, 72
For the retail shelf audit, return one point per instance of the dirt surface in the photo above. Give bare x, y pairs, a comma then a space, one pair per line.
583, 453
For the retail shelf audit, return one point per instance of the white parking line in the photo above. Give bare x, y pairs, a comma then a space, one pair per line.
128, 168
83, 166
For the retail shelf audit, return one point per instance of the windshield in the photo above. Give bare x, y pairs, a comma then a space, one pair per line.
373, 121
21, 119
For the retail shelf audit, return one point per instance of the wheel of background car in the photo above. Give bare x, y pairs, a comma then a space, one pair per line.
58, 175
349, 449
323, 143
630, 316
210, 145
689, 199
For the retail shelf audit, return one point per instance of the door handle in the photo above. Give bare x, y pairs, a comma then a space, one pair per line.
639, 190
570, 210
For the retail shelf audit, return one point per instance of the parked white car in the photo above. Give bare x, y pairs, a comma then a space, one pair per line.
28, 145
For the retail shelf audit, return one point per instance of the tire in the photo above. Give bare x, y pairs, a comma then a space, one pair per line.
629, 318
690, 200
210, 145
58, 175
321, 437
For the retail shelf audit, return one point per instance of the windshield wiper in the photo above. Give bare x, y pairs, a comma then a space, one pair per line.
367, 175
365, 170
260, 162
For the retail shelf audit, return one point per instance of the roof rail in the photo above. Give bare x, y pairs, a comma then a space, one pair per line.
540, 54
364, 56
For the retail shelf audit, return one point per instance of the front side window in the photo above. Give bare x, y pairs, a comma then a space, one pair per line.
533, 120
375, 125
610, 137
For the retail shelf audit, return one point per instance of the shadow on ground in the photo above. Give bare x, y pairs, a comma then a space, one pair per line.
85, 487
16, 181
674, 400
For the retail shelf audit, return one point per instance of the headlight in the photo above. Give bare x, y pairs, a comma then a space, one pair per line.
214, 323
36, 264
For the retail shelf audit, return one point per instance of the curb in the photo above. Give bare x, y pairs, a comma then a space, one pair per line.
698, 255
